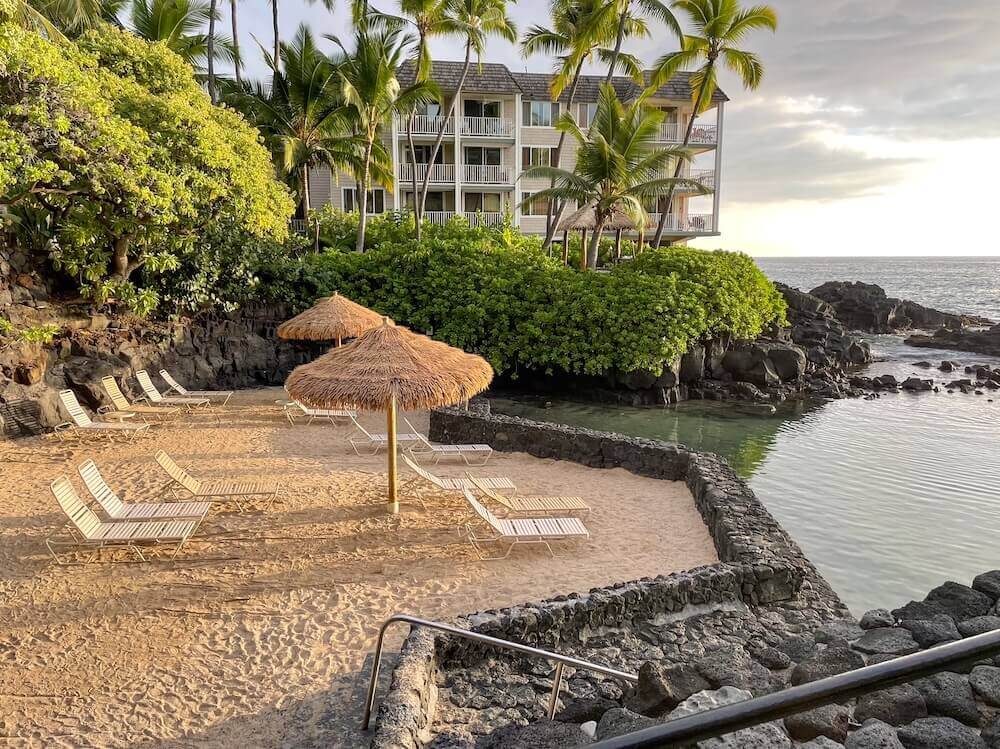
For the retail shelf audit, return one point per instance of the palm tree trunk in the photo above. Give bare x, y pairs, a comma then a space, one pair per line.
363, 197
306, 206
236, 44
618, 46
212, 10
595, 246
661, 224
444, 123
555, 216
277, 35
418, 209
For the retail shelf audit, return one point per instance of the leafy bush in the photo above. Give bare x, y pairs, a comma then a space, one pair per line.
496, 293
39, 334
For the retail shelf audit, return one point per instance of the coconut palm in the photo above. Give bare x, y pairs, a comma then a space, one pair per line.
57, 18
301, 114
373, 95
180, 25
632, 15
580, 29
237, 62
618, 166
478, 21
719, 25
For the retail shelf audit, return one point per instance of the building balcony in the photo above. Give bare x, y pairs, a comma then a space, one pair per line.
488, 174
439, 173
704, 177
701, 135
692, 223
438, 217
485, 219
423, 124
488, 127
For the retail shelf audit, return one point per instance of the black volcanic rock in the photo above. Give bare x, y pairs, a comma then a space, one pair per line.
986, 342
863, 306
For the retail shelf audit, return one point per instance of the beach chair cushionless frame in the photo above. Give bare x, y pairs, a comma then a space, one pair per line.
519, 531
176, 387
120, 403
374, 441
497, 483
237, 491
533, 505
333, 415
140, 511
89, 531
82, 423
425, 447
155, 396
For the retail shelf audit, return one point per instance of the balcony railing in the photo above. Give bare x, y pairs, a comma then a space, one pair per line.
428, 124
492, 127
439, 172
438, 217
701, 135
693, 223
485, 219
488, 174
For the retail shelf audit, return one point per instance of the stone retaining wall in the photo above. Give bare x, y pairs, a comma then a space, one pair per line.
760, 563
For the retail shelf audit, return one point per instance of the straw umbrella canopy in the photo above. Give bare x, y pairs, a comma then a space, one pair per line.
332, 318
390, 368
585, 219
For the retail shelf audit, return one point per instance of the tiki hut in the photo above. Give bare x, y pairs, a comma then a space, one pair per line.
386, 369
584, 220
332, 318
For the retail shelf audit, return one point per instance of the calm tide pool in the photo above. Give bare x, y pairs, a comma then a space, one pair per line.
888, 497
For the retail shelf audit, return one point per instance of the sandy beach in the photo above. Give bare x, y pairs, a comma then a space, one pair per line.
258, 634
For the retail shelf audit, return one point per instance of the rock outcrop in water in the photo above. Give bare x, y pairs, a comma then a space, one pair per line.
865, 306
985, 342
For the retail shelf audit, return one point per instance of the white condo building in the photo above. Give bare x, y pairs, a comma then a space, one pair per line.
504, 124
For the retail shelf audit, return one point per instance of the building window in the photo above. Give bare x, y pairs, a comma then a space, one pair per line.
376, 200
430, 109
473, 108
487, 202
537, 156
479, 156
587, 112
423, 154
531, 206
539, 113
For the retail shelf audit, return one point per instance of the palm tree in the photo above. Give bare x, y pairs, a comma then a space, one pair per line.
478, 20
579, 29
719, 25
212, 15
56, 18
631, 21
237, 62
617, 164
179, 24
301, 114
373, 95
430, 19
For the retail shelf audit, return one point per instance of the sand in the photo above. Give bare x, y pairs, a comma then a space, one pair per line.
260, 633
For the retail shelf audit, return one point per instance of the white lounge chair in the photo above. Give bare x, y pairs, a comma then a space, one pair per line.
334, 415
176, 387
374, 441
120, 404
118, 510
237, 491
82, 423
155, 396
533, 505
444, 483
463, 452
516, 531
89, 531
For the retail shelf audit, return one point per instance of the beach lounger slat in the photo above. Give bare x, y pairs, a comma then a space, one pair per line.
121, 404
522, 530
531, 504
425, 447
220, 489
457, 484
118, 510
154, 395
182, 391
83, 423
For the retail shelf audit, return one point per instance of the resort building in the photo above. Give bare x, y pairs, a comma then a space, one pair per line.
504, 124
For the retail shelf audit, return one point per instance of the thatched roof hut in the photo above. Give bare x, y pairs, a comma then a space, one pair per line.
330, 319
586, 218
390, 367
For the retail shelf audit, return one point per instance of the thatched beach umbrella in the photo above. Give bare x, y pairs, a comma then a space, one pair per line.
332, 318
390, 367
584, 220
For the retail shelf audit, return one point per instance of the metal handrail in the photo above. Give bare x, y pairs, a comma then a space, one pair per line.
735, 717
560, 660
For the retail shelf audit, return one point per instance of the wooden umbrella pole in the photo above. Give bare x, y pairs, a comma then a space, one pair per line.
338, 341
390, 423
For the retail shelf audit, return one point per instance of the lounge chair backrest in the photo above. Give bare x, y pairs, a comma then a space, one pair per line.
485, 514
358, 425
117, 397
422, 472
420, 436
177, 473
85, 520
172, 382
302, 408
99, 489
73, 407
487, 491
147, 386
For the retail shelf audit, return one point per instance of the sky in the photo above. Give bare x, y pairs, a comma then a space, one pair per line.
876, 130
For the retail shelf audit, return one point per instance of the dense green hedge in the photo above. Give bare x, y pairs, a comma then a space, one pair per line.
496, 293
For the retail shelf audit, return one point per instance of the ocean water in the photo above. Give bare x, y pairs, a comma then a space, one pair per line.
889, 497
965, 285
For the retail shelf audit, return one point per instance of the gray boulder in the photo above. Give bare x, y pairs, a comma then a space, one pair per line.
939, 733
619, 721
874, 734
930, 632
959, 601
978, 625
988, 583
726, 667
877, 618
547, 733
765, 736
828, 661
896, 705
830, 721
985, 682
949, 695
661, 687
887, 641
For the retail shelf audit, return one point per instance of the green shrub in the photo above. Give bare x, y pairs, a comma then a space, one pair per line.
496, 293
6, 327
39, 334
